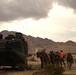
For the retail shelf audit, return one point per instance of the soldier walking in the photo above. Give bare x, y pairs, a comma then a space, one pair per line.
62, 55
51, 57
43, 58
57, 58
69, 59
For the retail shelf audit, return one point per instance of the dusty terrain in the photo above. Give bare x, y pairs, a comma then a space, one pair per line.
35, 67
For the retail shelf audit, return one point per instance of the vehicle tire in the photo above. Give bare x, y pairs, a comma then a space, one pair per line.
21, 67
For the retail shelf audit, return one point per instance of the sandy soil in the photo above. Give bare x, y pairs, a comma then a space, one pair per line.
35, 67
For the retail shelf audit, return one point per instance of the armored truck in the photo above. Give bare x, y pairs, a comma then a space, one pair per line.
13, 51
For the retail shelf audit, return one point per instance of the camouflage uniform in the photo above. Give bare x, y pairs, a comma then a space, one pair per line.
51, 56
69, 59
57, 58
43, 58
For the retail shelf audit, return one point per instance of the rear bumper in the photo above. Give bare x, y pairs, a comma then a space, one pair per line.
11, 58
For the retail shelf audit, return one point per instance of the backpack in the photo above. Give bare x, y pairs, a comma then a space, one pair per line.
57, 57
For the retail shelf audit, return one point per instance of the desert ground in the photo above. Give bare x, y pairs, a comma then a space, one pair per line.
35, 68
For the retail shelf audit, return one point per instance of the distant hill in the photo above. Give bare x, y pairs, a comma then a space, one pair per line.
37, 42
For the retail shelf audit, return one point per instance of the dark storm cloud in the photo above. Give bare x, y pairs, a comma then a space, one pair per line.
68, 3
16, 9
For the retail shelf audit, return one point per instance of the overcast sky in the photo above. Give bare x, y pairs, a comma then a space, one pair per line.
53, 19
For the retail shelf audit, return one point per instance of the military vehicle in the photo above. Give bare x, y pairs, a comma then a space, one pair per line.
13, 51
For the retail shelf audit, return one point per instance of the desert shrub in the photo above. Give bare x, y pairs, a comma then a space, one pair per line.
49, 69
53, 69
58, 70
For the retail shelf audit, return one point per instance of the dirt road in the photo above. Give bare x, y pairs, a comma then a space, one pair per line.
35, 67
17, 72
72, 71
